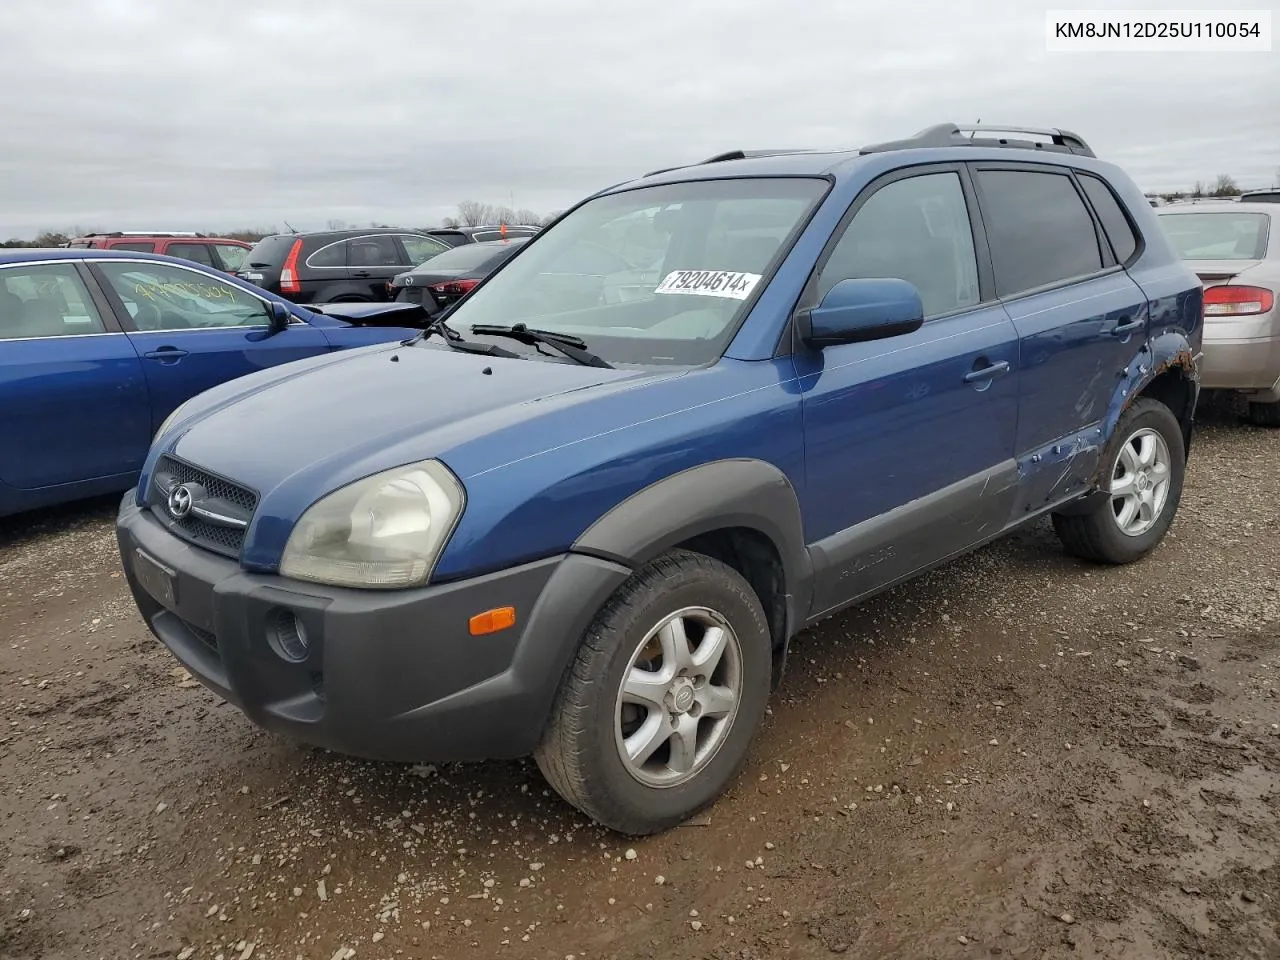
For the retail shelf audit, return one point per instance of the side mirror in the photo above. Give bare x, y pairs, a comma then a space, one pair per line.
858, 310
279, 317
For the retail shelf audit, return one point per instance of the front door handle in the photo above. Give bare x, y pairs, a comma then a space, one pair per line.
166, 354
1127, 327
989, 372
361, 273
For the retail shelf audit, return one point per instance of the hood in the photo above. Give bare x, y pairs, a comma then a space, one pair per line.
315, 426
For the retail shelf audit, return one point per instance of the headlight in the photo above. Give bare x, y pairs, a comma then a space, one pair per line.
169, 420
385, 531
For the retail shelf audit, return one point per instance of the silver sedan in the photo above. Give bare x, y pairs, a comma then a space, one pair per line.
1235, 249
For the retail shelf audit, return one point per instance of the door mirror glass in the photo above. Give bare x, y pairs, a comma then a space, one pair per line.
280, 316
862, 309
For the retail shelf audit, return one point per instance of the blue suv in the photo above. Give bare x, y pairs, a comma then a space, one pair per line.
606, 502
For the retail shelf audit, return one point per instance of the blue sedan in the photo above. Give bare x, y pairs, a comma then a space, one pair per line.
97, 348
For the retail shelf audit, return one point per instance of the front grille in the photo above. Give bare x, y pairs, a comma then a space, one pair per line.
231, 498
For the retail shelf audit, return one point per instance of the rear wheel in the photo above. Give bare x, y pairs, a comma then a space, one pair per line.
1140, 495
659, 706
1265, 414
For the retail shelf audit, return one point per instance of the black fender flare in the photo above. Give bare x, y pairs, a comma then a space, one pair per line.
712, 496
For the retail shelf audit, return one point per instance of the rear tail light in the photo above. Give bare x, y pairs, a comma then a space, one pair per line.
289, 281
454, 288
1226, 301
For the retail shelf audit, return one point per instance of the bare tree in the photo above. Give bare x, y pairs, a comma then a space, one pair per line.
1198, 189
1225, 186
549, 217
527, 217
473, 213
450, 223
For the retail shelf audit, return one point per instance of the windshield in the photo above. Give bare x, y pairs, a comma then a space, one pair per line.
1217, 236
657, 275
269, 251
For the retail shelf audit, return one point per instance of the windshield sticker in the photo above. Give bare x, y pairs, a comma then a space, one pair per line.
709, 283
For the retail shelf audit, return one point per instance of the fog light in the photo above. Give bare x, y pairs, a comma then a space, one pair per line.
288, 636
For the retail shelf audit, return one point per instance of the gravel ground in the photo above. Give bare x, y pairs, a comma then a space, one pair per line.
1017, 755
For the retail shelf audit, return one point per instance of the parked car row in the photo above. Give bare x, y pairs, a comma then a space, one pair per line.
343, 266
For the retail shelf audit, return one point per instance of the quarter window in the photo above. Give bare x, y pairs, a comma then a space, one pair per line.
916, 230
231, 255
1114, 223
334, 255
45, 301
163, 297
1039, 229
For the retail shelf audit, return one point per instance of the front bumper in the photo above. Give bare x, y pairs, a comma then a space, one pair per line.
390, 675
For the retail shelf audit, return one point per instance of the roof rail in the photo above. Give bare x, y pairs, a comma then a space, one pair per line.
144, 233
728, 155
951, 135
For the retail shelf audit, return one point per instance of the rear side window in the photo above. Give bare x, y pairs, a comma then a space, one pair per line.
198, 252
1114, 223
373, 252
45, 301
332, 255
1039, 229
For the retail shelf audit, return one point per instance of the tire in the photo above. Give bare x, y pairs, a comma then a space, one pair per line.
581, 753
1096, 534
1265, 414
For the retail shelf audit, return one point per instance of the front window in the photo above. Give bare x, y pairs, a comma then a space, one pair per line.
657, 275
161, 296
1217, 236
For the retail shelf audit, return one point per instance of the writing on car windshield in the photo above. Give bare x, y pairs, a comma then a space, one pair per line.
655, 275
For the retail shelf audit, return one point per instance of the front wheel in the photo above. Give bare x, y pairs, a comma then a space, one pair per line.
1140, 490
659, 706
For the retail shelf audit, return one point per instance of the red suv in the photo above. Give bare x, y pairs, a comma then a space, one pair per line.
217, 252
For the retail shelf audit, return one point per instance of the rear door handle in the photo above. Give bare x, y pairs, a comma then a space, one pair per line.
989, 372
361, 273
1128, 326
166, 354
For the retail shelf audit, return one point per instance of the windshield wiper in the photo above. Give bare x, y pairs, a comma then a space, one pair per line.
456, 341
575, 348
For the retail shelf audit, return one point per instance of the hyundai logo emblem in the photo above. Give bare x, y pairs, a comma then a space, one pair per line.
180, 499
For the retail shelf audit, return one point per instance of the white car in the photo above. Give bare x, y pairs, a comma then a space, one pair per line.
1234, 247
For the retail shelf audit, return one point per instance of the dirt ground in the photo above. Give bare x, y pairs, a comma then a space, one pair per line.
1017, 756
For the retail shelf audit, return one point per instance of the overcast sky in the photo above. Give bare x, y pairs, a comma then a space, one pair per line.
190, 114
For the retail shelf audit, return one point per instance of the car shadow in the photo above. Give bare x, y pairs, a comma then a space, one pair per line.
22, 528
